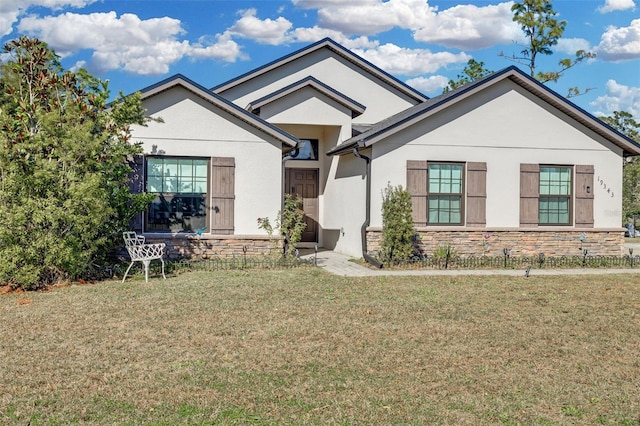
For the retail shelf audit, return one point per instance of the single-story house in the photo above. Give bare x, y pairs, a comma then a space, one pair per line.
502, 162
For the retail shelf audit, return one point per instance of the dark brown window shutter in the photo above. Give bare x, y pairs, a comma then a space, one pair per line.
584, 196
417, 187
476, 194
136, 186
222, 195
529, 192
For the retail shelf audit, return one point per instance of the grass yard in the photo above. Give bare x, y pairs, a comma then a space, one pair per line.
304, 347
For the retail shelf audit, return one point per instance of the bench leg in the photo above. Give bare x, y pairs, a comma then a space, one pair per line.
163, 275
146, 270
125, 274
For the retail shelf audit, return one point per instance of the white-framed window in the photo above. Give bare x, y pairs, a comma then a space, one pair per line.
180, 186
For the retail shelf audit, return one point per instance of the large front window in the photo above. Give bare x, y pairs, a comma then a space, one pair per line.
555, 195
445, 194
180, 189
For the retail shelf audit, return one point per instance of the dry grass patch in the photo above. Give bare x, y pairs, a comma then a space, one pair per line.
305, 347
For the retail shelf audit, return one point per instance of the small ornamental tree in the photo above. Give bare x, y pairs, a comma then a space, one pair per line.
397, 225
289, 223
64, 197
292, 223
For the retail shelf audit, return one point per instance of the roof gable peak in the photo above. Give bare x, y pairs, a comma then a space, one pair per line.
325, 43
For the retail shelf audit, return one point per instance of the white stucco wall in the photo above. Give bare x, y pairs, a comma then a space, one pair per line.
194, 127
308, 107
345, 200
503, 126
381, 100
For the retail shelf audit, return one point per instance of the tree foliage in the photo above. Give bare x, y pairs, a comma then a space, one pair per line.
473, 71
542, 30
397, 224
64, 196
626, 124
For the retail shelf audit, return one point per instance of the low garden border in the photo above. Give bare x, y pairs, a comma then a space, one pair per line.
518, 262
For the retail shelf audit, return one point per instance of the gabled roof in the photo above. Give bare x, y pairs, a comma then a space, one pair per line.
338, 49
412, 115
311, 82
218, 101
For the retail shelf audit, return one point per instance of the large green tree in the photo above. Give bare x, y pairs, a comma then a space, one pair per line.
627, 125
543, 30
64, 152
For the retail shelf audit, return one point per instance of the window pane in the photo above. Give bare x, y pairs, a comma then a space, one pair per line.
154, 184
445, 178
308, 150
555, 181
177, 213
170, 184
200, 168
200, 186
433, 210
185, 185
554, 210
445, 209
170, 168
154, 167
186, 168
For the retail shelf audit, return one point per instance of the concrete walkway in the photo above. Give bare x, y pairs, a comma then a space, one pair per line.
341, 264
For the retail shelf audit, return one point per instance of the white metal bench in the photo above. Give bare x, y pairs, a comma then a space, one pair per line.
141, 252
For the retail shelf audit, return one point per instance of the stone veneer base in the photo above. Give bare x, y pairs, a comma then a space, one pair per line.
521, 242
214, 246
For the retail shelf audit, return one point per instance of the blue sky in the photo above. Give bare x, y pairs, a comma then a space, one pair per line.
425, 43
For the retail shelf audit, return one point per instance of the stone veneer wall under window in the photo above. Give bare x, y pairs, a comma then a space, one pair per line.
213, 246
523, 242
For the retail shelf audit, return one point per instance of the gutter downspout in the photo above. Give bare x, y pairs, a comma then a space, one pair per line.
363, 229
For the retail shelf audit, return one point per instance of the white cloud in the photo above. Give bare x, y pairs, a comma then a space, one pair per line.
402, 61
313, 34
12, 10
572, 45
316, 4
620, 44
267, 31
434, 83
471, 27
221, 47
614, 5
618, 98
128, 43
373, 16
463, 26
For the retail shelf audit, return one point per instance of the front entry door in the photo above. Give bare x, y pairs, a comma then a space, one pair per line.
304, 183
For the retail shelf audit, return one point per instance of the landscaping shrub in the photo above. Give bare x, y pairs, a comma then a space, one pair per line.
64, 196
397, 225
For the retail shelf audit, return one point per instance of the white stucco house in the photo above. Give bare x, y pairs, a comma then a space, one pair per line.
501, 162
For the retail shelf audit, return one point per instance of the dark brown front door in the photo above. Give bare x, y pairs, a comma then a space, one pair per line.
304, 183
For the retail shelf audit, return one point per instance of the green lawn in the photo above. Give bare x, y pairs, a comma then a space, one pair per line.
301, 346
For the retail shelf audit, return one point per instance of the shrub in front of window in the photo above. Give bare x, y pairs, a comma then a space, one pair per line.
397, 225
